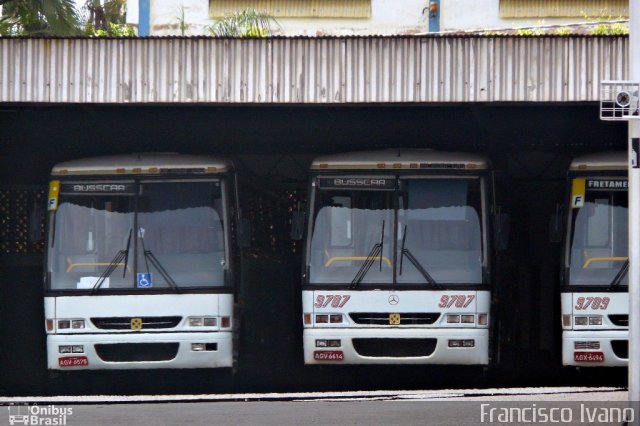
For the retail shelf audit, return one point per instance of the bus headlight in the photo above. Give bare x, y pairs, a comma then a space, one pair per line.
322, 319
210, 321
595, 320
467, 343
329, 318
197, 347
566, 321
203, 321
335, 318
76, 324
590, 320
331, 343
66, 349
196, 321
581, 320
467, 319
453, 319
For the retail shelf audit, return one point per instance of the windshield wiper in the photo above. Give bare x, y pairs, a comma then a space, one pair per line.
615, 283
405, 252
115, 262
149, 256
376, 250
126, 258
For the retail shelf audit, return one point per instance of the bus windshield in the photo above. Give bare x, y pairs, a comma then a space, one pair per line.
137, 235
599, 233
418, 231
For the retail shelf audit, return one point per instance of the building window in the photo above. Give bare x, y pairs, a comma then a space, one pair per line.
294, 8
564, 8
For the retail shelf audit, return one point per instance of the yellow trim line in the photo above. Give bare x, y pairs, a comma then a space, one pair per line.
73, 266
590, 260
348, 258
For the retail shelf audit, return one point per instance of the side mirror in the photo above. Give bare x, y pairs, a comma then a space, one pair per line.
244, 233
502, 228
297, 225
555, 226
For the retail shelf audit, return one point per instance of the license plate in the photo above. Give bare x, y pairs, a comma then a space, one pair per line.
328, 355
588, 356
73, 361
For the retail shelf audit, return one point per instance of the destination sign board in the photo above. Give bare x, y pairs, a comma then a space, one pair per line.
380, 183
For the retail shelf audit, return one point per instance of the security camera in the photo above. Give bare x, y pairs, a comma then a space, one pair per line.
619, 100
623, 99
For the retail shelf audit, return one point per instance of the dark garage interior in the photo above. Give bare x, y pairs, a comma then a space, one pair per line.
530, 146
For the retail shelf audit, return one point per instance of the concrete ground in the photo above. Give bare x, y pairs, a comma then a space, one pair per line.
576, 406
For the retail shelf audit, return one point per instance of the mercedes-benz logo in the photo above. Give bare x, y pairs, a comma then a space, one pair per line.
393, 299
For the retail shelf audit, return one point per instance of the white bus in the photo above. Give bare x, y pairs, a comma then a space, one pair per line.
594, 295
397, 259
139, 263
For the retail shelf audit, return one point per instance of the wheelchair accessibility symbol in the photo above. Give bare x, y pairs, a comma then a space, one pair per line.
145, 280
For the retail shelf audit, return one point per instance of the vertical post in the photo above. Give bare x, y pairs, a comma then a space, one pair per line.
144, 18
634, 214
434, 16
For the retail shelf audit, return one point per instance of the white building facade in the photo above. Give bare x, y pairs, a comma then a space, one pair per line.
373, 17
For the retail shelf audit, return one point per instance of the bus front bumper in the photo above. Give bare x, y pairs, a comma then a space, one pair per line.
397, 346
139, 351
593, 348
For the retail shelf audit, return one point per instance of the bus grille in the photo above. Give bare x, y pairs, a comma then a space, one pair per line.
620, 320
394, 348
124, 323
382, 318
620, 348
137, 352
586, 345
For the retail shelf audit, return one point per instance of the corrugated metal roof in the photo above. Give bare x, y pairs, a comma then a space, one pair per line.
309, 70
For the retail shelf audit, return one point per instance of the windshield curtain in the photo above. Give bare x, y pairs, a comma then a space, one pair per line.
174, 233
599, 234
440, 223
348, 225
438, 219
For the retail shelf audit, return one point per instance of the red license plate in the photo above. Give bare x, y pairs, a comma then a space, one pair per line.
328, 356
73, 361
588, 356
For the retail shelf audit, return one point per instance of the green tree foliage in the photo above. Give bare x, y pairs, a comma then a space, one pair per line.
246, 23
39, 17
106, 18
